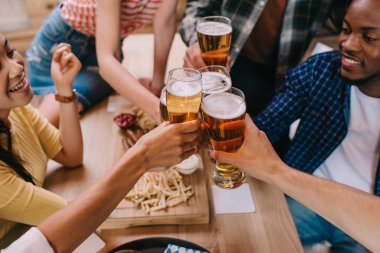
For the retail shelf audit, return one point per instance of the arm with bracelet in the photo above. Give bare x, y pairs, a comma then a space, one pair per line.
64, 67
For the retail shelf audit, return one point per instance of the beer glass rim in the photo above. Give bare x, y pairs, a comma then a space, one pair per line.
197, 76
237, 92
213, 66
210, 18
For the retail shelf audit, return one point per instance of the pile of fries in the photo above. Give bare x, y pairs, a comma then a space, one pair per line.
158, 190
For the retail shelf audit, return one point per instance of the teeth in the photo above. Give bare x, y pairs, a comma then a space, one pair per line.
18, 86
350, 61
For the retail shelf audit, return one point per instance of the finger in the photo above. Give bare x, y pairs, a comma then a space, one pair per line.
191, 138
189, 146
198, 61
60, 45
66, 58
223, 157
196, 56
189, 126
59, 51
189, 153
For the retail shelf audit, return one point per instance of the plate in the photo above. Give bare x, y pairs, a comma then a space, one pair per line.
156, 245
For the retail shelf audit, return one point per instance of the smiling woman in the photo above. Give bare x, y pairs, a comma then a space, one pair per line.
28, 140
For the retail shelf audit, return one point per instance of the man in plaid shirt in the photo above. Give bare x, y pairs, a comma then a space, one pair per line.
268, 37
336, 96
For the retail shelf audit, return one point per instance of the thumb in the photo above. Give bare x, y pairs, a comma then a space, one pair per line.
223, 157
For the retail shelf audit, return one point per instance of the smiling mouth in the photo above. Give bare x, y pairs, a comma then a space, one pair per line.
18, 86
350, 61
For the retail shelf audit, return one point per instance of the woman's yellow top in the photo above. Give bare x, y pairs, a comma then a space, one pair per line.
34, 140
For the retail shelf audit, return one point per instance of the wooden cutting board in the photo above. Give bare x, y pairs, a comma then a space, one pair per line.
195, 211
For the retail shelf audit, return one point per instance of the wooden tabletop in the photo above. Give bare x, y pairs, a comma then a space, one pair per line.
269, 229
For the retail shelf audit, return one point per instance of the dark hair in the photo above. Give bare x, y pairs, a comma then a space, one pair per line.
7, 156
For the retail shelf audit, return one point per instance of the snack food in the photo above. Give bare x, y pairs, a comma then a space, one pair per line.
159, 190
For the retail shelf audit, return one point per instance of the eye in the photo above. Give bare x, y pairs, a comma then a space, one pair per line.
11, 52
369, 38
345, 30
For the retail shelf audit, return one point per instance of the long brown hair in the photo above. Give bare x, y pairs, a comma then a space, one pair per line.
7, 155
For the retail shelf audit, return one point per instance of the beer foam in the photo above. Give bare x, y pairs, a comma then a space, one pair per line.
224, 105
184, 89
214, 28
213, 82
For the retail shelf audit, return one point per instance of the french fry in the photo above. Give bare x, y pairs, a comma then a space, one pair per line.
159, 190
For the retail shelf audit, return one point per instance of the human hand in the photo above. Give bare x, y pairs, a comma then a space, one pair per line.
154, 88
193, 57
64, 67
169, 144
256, 156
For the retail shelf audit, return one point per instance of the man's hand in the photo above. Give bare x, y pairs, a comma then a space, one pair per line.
193, 57
256, 156
64, 67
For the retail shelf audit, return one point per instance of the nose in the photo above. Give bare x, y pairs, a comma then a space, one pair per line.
351, 43
16, 69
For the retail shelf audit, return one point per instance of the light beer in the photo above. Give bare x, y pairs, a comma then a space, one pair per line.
223, 115
214, 39
183, 100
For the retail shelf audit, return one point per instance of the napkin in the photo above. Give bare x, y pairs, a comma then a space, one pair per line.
179, 249
237, 200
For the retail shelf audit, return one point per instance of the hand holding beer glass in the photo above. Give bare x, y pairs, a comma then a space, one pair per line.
183, 99
223, 114
214, 37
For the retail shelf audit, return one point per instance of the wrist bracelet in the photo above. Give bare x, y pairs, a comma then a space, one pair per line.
65, 99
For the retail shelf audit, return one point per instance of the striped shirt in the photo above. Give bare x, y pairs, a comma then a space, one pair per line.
34, 141
134, 14
315, 93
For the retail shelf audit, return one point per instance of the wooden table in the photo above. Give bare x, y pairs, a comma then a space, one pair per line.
269, 229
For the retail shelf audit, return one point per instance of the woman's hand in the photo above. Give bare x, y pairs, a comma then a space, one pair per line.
256, 156
154, 88
64, 67
169, 144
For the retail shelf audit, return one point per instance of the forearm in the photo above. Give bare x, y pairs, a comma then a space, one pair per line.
126, 85
70, 134
352, 210
93, 206
163, 38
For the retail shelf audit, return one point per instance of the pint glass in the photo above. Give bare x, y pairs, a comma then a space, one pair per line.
223, 114
214, 37
183, 94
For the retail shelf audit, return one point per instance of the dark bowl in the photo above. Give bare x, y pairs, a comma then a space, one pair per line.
156, 245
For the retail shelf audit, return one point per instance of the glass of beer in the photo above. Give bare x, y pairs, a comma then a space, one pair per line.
163, 108
223, 114
214, 37
215, 79
183, 94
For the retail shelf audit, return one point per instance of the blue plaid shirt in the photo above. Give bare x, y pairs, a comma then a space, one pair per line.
314, 93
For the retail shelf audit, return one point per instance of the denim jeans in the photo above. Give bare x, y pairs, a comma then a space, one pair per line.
312, 229
91, 88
